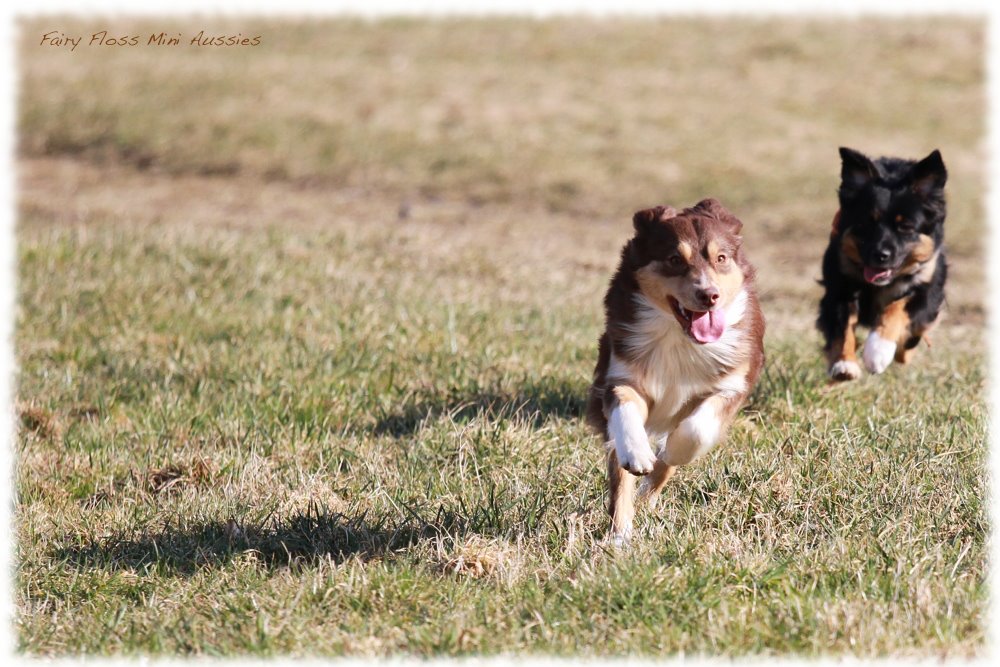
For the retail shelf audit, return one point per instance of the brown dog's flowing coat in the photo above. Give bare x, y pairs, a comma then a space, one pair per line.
681, 350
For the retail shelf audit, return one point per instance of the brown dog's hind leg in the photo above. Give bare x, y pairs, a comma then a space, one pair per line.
653, 483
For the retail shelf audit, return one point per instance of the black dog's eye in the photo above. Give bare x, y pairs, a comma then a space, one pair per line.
905, 224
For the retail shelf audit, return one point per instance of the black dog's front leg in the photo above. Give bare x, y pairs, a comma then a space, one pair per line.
923, 310
838, 317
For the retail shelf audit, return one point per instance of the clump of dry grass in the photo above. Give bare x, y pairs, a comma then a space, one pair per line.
38, 420
475, 557
164, 479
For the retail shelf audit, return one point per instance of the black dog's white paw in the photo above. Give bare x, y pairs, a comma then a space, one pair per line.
878, 353
845, 369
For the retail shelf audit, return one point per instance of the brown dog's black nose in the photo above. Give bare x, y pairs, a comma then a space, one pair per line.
708, 297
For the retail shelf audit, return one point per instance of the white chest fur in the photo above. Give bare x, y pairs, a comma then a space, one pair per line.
671, 368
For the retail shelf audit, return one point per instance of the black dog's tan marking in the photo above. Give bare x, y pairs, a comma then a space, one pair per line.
885, 267
845, 346
849, 248
894, 322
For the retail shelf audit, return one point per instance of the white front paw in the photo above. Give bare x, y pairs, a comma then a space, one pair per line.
626, 429
637, 459
694, 436
845, 369
878, 353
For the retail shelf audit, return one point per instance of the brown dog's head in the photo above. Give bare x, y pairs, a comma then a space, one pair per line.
690, 264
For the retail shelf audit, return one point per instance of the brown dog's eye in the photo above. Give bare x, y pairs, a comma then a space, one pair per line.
721, 259
674, 260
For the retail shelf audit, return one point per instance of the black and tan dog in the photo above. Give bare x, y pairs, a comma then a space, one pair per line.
681, 350
885, 267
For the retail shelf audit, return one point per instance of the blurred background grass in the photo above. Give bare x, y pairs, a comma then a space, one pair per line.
582, 116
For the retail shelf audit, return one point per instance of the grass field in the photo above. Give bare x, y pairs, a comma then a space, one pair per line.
305, 330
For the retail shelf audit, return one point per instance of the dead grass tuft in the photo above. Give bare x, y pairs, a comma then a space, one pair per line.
173, 477
476, 557
38, 420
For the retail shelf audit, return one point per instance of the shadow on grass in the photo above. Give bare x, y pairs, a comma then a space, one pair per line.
302, 539
315, 535
532, 403
787, 375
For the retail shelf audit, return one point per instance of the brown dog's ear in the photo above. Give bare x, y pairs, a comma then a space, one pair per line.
645, 219
715, 209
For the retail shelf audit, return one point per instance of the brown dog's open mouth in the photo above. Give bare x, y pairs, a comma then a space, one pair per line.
705, 326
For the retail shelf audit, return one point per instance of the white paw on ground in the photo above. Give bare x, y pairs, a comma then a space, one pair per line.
878, 353
845, 369
620, 539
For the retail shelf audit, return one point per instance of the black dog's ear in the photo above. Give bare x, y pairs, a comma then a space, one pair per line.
929, 174
645, 219
856, 169
714, 208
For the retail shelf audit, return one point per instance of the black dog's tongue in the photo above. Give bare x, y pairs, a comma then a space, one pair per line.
877, 276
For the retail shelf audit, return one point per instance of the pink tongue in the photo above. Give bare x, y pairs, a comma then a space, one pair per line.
707, 327
871, 275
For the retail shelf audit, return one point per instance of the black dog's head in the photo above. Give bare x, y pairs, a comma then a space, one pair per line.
891, 212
